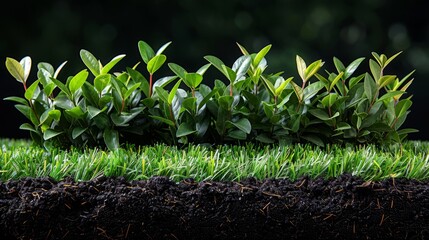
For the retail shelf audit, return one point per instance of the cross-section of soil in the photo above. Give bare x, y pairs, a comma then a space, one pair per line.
113, 208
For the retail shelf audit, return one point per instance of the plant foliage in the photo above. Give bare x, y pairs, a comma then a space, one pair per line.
98, 107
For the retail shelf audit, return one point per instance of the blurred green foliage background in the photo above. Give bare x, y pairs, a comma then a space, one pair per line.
55, 31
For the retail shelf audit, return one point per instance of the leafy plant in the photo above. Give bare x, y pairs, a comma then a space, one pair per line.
248, 105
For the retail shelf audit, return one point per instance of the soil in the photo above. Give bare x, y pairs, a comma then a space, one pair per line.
346, 207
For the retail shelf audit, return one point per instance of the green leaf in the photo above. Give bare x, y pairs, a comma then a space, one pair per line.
339, 65
155, 63
243, 124
375, 69
301, 66
329, 100
146, 52
314, 139
162, 48
390, 95
49, 133
260, 55
203, 69
130, 90
385, 80
281, 85
269, 86
162, 94
241, 65
312, 89
391, 59
31, 91
173, 92
336, 79
17, 99
229, 73
216, 62
341, 126
312, 69
93, 111
77, 81
370, 87
178, 70
193, 80
138, 77
101, 82
15, 69
90, 62
59, 69
112, 63
184, 129
111, 139
75, 112
242, 49
90, 95
237, 134
189, 104
352, 67
63, 87
164, 120
28, 127
122, 119
322, 115
402, 107
77, 131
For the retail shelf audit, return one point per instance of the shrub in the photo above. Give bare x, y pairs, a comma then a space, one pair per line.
101, 108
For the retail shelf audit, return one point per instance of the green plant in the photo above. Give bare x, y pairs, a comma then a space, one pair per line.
248, 105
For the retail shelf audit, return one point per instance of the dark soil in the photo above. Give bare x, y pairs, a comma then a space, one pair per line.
113, 208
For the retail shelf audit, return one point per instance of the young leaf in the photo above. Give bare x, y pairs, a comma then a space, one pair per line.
31, 90
146, 52
77, 81
241, 65
15, 69
260, 55
101, 82
242, 49
352, 67
301, 66
26, 65
339, 65
155, 63
162, 48
112, 63
193, 80
173, 92
90, 62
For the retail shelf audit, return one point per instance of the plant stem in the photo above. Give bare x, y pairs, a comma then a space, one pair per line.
150, 84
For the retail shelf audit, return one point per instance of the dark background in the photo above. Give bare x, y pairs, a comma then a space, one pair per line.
55, 31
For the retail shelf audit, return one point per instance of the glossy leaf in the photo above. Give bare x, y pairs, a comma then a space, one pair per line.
15, 69
78, 80
111, 139
155, 63
184, 129
146, 52
90, 62
111, 64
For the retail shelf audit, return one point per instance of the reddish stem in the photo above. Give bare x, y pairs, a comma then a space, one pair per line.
150, 85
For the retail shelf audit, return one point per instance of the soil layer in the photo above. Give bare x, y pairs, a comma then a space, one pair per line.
346, 207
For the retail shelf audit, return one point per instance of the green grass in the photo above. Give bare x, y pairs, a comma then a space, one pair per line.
19, 158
